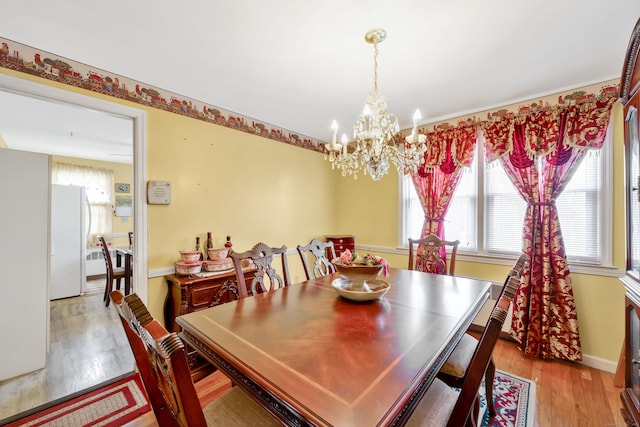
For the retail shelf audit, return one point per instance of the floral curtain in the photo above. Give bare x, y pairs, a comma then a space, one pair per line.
449, 150
540, 148
98, 184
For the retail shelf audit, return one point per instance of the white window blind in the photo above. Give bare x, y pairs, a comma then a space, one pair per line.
487, 213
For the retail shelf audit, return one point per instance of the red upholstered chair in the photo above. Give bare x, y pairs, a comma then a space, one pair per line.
163, 366
442, 405
322, 265
266, 277
430, 260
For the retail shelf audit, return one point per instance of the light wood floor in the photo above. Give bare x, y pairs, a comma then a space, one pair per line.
567, 394
88, 347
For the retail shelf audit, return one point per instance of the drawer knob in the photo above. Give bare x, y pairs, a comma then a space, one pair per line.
635, 362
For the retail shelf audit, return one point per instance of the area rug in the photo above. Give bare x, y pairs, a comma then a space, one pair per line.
514, 400
109, 406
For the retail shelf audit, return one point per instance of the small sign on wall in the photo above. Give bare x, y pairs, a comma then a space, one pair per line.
159, 192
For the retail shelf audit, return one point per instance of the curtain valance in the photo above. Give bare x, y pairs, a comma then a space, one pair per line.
450, 147
586, 117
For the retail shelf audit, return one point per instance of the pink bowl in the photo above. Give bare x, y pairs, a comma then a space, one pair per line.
219, 253
190, 256
188, 268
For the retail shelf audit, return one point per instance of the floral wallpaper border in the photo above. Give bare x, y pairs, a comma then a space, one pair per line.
25, 59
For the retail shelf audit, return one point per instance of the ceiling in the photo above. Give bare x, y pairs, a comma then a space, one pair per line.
299, 64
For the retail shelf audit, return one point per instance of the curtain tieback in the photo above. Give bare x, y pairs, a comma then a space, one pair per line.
551, 203
434, 219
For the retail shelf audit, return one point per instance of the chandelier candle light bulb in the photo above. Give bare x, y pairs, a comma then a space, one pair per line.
375, 135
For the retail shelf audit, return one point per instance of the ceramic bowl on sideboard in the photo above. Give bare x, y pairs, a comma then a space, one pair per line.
188, 268
190, 256
218, 253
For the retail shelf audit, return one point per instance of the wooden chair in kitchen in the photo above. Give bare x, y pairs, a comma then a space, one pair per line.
323, 253
442, 405
114, 274
428, 256
162, 362
455, 369
260, 258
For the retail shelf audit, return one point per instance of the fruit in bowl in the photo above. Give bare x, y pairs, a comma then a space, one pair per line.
355, 267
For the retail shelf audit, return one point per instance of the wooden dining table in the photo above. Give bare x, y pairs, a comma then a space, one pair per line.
311, 357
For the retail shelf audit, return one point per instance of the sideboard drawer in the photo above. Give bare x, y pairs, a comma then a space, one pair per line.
341, 243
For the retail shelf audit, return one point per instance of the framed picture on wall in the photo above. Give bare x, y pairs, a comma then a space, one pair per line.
122, 188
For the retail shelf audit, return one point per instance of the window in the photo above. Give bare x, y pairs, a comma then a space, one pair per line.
487, 213
98, 184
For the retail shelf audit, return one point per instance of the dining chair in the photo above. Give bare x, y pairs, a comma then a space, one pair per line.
456, 366
323, 253
116, 274
162, 362
443, 405
427, 257
260, 258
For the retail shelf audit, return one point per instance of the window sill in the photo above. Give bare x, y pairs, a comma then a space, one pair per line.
578, 268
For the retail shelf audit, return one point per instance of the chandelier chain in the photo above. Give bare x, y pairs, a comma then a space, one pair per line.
375, 67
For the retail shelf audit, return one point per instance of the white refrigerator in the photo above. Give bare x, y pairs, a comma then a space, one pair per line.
69, 228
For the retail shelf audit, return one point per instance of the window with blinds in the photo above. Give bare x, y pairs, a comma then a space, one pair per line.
487, 213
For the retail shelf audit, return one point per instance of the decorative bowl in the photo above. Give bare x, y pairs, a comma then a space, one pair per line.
193, 256
219, 253
359, 271
188, 268
218, 265
356, 290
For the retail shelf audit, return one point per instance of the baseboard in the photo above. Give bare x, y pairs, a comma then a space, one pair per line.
587, 360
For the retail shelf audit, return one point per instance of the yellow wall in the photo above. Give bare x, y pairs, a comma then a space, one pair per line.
231, 183
121, 173
256, 189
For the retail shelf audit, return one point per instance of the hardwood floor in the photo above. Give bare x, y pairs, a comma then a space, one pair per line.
87, 347
567, 394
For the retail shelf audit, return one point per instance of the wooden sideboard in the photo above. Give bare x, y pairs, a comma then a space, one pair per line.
630, 359
187, 294
342, 243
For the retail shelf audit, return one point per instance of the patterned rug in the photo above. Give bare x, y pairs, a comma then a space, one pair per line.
112, 405
515, 402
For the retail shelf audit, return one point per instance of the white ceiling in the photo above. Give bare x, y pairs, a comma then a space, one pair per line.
299, 64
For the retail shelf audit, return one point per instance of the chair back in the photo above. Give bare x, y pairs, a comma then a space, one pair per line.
323, 253
162, 362
107, 257
261, 257
467, 399
431, 256
130, 238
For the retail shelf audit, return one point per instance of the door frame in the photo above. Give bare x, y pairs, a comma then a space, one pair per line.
25, 87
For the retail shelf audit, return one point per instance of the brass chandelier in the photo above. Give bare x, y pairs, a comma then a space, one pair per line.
375, 133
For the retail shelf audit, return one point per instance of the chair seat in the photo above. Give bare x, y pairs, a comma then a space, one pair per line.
457, 363
236, 408
436, 406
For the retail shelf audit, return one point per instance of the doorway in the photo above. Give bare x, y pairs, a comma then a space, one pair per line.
99, 108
